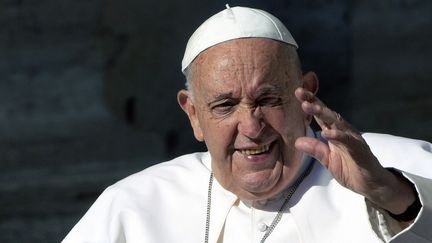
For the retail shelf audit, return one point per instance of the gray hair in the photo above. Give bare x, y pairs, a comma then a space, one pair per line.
188, 75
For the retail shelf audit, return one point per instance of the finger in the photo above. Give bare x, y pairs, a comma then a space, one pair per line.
304, 95
319, 113
323, 114
348, 135
325, 117
335, 134
315, 148
307, 100
346, 142
314, 106
310, 104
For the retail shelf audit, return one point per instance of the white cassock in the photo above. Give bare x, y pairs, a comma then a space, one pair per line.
167, 203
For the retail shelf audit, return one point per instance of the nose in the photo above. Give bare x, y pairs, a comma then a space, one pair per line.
250, 122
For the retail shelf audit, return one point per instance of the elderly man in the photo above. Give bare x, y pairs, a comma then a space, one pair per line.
267, 176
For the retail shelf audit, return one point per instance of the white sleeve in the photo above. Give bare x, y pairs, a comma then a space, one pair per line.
414, 159
420, 231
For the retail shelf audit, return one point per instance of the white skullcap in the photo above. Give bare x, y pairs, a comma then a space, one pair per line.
234, 23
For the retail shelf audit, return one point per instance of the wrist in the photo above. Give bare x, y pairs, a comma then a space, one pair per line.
410, 213
396, 193
413, 209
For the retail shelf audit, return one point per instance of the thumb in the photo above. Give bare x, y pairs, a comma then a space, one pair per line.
314, 147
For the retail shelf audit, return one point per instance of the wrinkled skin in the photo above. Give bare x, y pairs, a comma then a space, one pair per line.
251, 106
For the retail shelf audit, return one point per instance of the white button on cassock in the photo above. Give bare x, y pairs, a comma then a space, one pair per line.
262, 227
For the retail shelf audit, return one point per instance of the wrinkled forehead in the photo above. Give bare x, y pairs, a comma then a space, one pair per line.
248, 63
246, 53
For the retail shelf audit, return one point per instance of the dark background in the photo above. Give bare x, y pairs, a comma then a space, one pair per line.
88, 87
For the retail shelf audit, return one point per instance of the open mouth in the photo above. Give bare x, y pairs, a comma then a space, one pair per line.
256, 151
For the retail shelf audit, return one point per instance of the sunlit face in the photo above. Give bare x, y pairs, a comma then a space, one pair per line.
245, 110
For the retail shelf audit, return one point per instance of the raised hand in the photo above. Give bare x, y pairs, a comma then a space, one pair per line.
349, 159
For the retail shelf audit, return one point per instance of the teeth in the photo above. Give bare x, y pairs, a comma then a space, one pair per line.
259, 150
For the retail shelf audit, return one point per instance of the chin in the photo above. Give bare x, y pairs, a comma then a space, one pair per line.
261, 184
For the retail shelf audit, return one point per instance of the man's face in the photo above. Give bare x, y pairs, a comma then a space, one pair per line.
245, 110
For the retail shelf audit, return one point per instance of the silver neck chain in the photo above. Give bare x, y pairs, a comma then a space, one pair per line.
287, 196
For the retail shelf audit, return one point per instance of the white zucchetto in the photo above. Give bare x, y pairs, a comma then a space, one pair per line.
234, 23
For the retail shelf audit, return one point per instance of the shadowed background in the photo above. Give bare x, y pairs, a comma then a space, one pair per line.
88, 89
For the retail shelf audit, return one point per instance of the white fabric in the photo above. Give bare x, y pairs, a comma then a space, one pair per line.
167, 203
234, 23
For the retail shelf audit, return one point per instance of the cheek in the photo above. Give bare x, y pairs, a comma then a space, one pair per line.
218, 135
288, 122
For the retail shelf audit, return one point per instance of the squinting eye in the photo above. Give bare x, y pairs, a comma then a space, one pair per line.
223, 108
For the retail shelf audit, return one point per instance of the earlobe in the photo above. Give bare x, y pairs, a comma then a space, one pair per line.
185, 102
311, 82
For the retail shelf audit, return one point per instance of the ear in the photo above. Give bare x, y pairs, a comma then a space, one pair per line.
185, 102
311, 82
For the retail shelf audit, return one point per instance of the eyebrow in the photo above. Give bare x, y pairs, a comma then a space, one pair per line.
271, 89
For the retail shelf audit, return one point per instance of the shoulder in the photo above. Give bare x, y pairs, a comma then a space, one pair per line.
377, 140
181, 172
194, 163
165, 186
411, 155
145, 199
